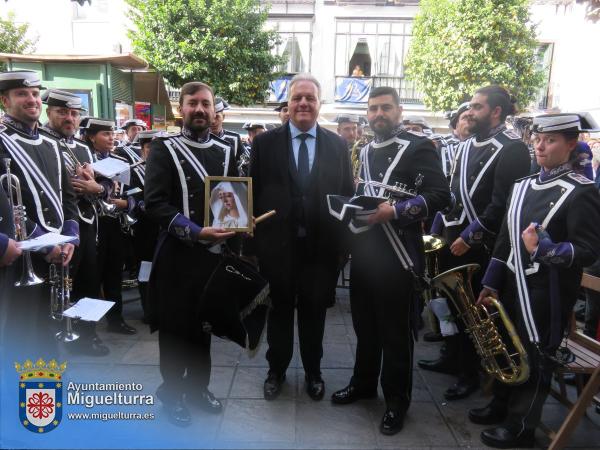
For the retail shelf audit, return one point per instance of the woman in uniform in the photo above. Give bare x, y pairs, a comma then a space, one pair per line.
547, 237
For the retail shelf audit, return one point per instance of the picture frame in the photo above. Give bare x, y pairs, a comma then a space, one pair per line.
228, 203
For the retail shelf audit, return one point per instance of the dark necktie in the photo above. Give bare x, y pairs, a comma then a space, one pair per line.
303, 166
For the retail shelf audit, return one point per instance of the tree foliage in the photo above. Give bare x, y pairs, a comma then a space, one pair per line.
220, 42
13, 37
461, 45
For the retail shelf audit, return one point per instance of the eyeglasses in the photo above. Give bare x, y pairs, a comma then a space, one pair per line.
64, 112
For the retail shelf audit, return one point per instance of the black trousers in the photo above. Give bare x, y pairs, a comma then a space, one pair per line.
312, 310
84, 271
185, 364
524, 402
382, 298
179, 275
111, 257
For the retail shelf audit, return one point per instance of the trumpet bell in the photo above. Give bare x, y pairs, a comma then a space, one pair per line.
433, 243
28, 277
493, 334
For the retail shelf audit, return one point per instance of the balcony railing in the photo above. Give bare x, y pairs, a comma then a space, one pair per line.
357, 89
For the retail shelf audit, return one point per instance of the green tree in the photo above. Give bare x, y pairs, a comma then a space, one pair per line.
12, 37
461, 45
220, 42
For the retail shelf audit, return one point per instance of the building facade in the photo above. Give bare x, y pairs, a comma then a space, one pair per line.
351, 46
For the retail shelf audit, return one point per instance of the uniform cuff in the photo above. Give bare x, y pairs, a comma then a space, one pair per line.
183, 228
494, 275
410, 211
437, 225
549, 253
71, 228
3, 244
473, 235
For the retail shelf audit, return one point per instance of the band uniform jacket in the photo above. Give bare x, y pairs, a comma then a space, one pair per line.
49, 198
76, 153
275, 186
567, 206
409, 159
174, 199
484, 172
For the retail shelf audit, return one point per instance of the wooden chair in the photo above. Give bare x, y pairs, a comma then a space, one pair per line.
586, 364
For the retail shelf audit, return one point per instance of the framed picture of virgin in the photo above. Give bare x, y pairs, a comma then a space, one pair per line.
228, 203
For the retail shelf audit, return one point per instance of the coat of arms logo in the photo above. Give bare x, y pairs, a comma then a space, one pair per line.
40, 394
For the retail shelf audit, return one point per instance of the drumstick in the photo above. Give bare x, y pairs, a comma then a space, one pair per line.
265, 216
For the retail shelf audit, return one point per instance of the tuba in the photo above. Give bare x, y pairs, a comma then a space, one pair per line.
61, 285
15, 201
508, 365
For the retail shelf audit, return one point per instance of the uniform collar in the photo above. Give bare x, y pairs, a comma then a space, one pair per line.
493, 132
546, 175
384, 137
295, 132
57, 134
193, 136
20, 126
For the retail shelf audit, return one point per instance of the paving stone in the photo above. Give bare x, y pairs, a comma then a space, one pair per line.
246, 421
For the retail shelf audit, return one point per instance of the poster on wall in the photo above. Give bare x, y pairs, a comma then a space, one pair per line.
159, 120
123, 112
143, 111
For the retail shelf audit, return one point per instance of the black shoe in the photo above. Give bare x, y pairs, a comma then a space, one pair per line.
315, 387
120, 326
432, 336
178, 414
391, 422
273, 385
207, 402
350, 394
501, 437
488, 415
462, 389
442, 365
88, 347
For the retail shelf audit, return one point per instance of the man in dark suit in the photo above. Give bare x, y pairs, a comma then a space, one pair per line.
293, 168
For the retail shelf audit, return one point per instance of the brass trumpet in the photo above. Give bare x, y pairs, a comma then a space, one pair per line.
397, 190
15, 201
61, 285
509, 366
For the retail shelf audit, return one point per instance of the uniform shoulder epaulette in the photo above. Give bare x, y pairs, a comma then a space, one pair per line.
80, 142
119, 157
511, 134
232, 133
417, 133
219, 140
581, 179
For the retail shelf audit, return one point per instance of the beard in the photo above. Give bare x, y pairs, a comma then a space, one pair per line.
381, 126
197, 127
480, 126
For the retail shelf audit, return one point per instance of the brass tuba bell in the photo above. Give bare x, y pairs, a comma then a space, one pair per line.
508, 365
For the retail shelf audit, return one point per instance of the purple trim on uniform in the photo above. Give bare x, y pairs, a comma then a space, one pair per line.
3, 244
131, 204
183, 228
71, 228
551, 254
474, 233
494, 275
411, 210
437, 225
